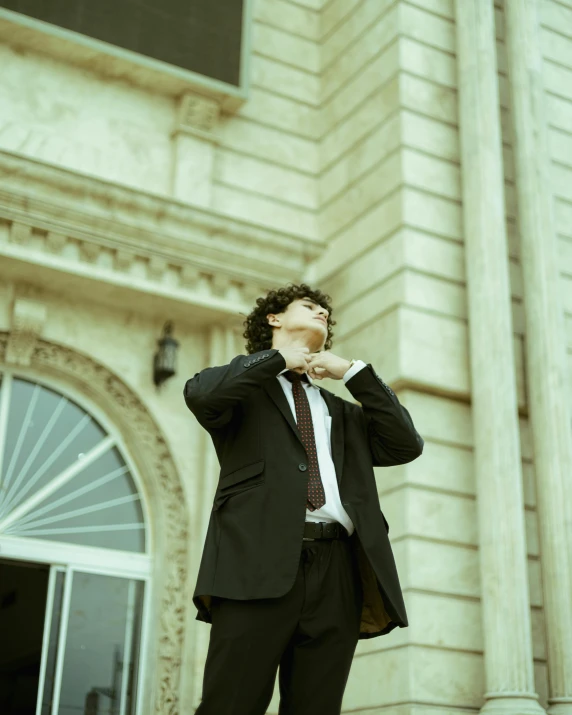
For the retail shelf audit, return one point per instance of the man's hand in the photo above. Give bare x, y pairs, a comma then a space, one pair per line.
326, 364
296, 358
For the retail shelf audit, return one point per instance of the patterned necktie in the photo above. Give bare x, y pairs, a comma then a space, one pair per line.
316, 495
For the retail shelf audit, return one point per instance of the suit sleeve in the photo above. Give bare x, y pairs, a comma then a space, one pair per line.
212, 394
392, 436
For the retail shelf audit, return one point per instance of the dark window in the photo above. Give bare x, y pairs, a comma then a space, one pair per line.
200, 35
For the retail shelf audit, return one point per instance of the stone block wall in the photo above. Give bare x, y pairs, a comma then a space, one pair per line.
395, 264
349, 142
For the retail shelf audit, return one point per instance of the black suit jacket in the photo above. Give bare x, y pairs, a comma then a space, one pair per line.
254, 537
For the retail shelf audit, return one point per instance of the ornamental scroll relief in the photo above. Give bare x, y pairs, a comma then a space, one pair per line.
138, 427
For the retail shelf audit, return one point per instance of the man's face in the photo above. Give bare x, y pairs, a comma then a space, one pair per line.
304, 319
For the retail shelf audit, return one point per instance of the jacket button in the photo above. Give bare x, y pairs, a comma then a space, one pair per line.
302, 467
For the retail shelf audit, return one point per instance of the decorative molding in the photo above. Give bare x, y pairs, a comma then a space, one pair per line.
55, 242
20, 233
189, 276
100, 208
197, 115
156, 268
124, 260
28, 320
156, 466
89, 251
75, 219
220, 285
194, 142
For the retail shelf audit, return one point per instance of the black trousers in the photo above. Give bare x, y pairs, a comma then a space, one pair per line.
309, 634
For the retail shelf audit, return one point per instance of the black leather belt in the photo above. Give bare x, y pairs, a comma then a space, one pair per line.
324, 530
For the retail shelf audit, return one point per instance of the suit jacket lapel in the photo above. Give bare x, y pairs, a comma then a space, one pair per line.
335, 408
274, 389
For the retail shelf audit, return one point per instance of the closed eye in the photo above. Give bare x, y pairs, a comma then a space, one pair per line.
308, 305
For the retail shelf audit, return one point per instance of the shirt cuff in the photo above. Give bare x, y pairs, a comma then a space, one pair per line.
355, 368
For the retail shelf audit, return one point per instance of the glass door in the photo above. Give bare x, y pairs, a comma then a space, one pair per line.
92, 640
23, 596
70, 641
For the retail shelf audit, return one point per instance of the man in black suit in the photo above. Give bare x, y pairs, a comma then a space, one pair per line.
297, 565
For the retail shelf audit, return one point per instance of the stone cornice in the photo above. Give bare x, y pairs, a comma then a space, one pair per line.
68, 221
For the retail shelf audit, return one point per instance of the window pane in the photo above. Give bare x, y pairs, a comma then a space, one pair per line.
104, 620
97, 502
46, 434
100, 506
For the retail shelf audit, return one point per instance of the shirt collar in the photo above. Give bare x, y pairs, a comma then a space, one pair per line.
308, 376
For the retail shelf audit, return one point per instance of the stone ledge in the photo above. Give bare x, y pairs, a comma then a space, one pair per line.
66, 196
140, 242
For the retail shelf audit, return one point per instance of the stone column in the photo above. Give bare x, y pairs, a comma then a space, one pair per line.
194, 144
548, 390
502, 541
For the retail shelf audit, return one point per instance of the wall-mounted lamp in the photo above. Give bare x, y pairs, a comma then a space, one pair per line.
164, 361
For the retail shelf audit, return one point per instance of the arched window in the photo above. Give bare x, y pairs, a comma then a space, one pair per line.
74, 557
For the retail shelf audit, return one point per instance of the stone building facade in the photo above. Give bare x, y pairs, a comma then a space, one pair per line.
412, 158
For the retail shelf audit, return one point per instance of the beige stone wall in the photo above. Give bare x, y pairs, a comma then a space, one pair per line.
70, 117
396, 270
349, 142
391, 211
266, 158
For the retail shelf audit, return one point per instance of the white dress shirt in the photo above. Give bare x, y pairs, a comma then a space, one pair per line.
332, 511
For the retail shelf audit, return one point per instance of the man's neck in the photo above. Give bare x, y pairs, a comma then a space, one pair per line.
308, 376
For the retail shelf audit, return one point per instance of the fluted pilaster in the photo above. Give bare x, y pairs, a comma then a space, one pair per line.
502, 542
548, 391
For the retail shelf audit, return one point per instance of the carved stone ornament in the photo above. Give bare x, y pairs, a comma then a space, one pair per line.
124, 260
89, 251
156, 267
156, 467
220, 284
20, 233
189, 276
197, 113
55, 242
28, 318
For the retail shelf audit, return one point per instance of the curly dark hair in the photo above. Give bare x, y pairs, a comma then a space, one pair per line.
258, 331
